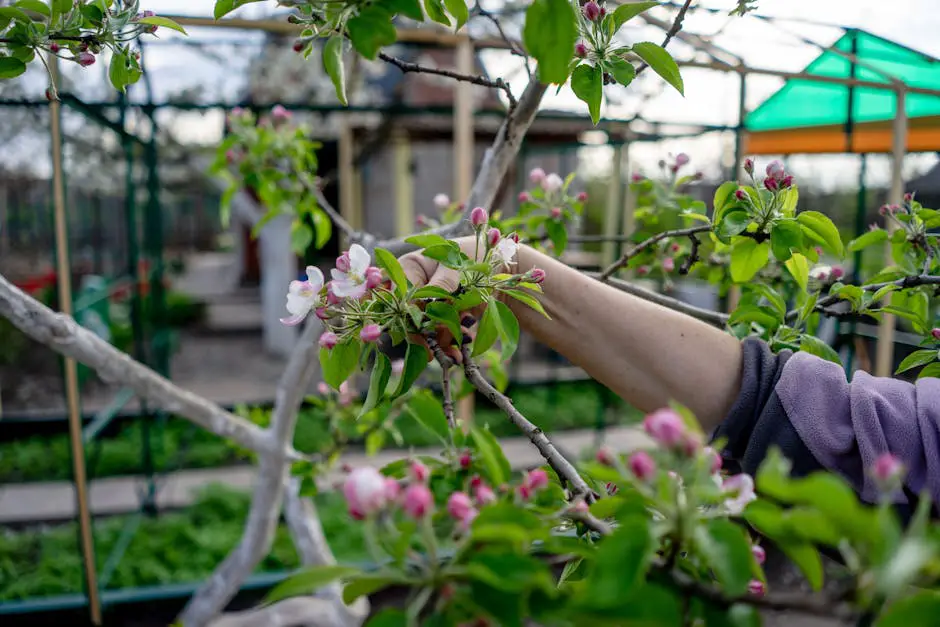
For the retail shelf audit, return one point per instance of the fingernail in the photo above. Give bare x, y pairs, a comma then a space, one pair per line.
468, 320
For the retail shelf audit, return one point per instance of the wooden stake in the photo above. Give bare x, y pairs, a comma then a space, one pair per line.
614, 206
403, 183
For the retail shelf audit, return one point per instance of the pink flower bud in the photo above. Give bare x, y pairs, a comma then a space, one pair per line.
492, 237
392, 489
579, 507
582, 197
604, 456
441, 201
580, 49
54, 47
323, 389
322, 313
365, 491
786, 182
421, 221
665, 426
669, 264
459, 506
373, 277
536, 275
370, 333
759, 553
552, 183
514, 237
837, 273
328, 340
603, 11
674, 247
682, 159
691, 444
298, 45
749, 166
591, 11
935, 333
85, 59
417, 501
636, 177
643, 270
331, 298
537, 175
887, 468
465, 460
280, 114
419, 472
524, 197
611, 488
343, 263
642, 465
883, 210
556, 212
476, 481
756, 587
484, 495
740, 194
908, 197
478, 217
714, 459
771, 184
775, 170
537, 479
525, 492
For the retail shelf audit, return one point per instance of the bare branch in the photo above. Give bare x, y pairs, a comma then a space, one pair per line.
562, 467
905, 282
338, 220
65, 336
514, 46
673, 30
635, 250
408, 66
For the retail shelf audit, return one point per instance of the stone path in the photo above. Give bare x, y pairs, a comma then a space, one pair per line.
55, 501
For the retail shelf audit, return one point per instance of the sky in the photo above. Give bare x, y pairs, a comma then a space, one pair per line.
710, 97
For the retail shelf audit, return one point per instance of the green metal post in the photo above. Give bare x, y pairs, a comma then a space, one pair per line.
860, 203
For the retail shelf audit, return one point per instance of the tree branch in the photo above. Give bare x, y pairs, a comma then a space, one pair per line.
905, 282
562, 467
635, 250
65, 336
514, 46
407, 66
672, 32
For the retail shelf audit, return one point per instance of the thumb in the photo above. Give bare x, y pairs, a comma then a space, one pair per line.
445, 278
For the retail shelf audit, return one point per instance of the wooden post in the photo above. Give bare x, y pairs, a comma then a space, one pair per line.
628, 219
64, 279
614, 206
403, 182
463, 161
348, 194
884, 350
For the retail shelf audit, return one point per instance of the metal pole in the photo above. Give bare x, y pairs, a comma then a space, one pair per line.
71, 370
614, 206
884, 353
739, 133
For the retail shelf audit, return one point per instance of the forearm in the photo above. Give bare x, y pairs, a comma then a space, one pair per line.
646, 353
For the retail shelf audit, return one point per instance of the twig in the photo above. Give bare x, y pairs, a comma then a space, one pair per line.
352, 234
692, 258
591, 522
513, 45
635, 250
904, 282
408, 66
555, 459
672, 32
448, 398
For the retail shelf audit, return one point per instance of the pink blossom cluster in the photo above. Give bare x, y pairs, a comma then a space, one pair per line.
369, 493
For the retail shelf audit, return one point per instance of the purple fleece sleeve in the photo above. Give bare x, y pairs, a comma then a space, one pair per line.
847, 425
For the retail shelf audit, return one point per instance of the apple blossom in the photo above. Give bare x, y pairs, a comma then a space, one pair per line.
775, 170
556, 212
345, 394
459, 506
665, 426
417, 501
552, 183
492, 237
442, 201
419, 472
749, 166
642, 465
740, 194
280, 114
579, 507
740, 492
365, 491
374, 277
505, 250
392, 489
643, 270
714, 459
54, 47
682, 159
370, 333
323, 389
536, 275
524, 197
302, 296
328, 340
636, 177
322, 313
85, 59
537, 175
351, 283
580, 49
756, 587
465, 460
513, 236
331, 297
591, 11
759, 553
343, 264
484, 494
771, 184
582, 196
669, 264
887, 468
604, 456
935, 333
478, 217
537, 479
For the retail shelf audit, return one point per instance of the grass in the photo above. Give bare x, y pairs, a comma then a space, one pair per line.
179, 444
177, 547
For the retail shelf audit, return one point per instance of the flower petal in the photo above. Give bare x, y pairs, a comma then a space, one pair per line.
294, 320
298, 304
359, 259
315, 278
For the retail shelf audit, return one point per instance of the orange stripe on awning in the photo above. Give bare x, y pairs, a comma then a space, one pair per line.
871, 137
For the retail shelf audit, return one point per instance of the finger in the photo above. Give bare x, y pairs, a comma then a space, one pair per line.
446, 279
415, 268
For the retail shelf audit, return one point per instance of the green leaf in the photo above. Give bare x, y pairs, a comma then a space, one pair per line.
820, 228
621, 69
787, 234
921, 608
621, 564
435, 11
661, 62
507, 571
725, 192
389, 617
587, 85
427, 410
308, 581
423, 241
339, 363
931, 370
156, 20
903, 312
487, 331
491, 456
223, 7
448, 255
301, 236
409, 8
368, 584
387, 260
528, 299
558, 234
322, 228
865, 240
33, 5
917, 358
549, 35
11, 67
370, 30
381, 371
806, 557
733, 223
776, 301
117, 71
446, 315
626, 12
764, 316
432, 291
747, 258
798, 267
458, 8
725, 547
333, 64
815, 346
509, 329
416, 360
